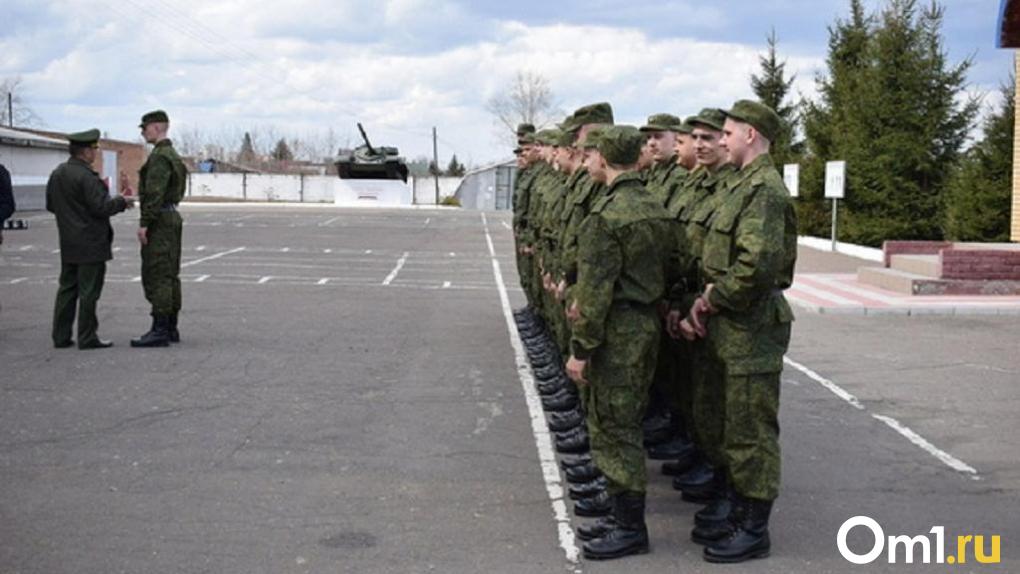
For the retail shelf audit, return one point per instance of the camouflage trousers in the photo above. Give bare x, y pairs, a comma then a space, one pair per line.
620, 374
707, 404
747, 349
524, 272
161, 265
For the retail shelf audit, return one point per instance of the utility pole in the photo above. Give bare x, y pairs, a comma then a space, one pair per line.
435, 161
10, 109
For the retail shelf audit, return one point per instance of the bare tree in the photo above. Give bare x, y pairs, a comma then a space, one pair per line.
526, 99
23, 114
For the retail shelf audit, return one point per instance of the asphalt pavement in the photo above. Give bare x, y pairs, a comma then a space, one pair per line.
346, 398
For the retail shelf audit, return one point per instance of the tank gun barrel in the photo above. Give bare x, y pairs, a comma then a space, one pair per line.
364, 136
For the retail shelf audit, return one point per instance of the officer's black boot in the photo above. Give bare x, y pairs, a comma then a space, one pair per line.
750, 536
158, 335
175, 335
629, 534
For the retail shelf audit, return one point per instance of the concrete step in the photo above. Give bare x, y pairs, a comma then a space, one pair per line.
924, 265
894, 280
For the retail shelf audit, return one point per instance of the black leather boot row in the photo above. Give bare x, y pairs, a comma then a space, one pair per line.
626, 535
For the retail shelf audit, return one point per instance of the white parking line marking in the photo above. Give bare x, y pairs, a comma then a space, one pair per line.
446, 284
200, 248
323, 281
507, 226
211, 257
368, 251
18, 280
285, 250
327, 251
393, 274
138, 279
452, 254
946, 458
54, 252
26, 248
543, 442
328, 221
202, 279
116, 249
265, 280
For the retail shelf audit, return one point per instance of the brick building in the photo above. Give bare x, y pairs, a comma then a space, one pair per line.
116, 159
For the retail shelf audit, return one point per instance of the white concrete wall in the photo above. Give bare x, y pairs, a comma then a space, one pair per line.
294, 188
30, 169
425, 188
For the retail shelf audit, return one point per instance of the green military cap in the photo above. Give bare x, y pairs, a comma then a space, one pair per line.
525, 128
711, 118
566, 138
156, 116
662, 123
548, 136
526, 139
761, 117
517, 151
600, 113
686, 127
591, 139
84, 138
621, 145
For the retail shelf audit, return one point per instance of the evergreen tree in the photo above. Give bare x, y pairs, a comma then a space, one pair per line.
891, 108
455, 168
978, 199
772, 88
247, 153
282, 151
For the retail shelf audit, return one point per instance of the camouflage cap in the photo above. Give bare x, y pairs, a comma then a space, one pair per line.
549, 136
525, 128
566, 138
621, 145
761, 117
526, 139
711, 118
591, 139
686, 127
662, 123
85, 138
600, 113
155, 116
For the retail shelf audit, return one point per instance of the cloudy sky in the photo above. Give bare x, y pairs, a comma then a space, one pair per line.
402, 66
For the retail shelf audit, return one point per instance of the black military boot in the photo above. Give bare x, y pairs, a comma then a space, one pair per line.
628, 536
750, 536
553, 386
704, 493
573, 444
158, 335
599, 505
582, 473
656, 428
175, 335
565, 420
574, 461
549, 372
580, 431
699, 475
587, 489
712, 523
673, 449
596, 529
681, 465
561, 401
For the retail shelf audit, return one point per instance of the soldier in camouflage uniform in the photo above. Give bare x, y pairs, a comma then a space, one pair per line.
748, 259
162, 182
623, 263
82, 205
522, 195
699, 400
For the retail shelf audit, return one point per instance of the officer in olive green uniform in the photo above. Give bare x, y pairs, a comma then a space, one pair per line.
82, 205
748, 259
162, 182
623, 265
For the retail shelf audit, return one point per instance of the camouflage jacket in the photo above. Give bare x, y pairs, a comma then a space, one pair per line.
162, 180
522, 194
664, 178
578, 205
623, 259
536, 204
549, 230
750, 246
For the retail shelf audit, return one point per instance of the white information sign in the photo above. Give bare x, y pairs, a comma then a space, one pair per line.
791, 177
835, 179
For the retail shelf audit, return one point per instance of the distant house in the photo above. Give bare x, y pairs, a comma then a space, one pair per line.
489, 187
30, 158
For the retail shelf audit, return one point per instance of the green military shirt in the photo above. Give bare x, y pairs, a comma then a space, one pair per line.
82, 205
750, 248
162, 181
623, 257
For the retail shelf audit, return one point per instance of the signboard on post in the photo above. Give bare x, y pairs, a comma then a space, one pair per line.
835, 179
791, 177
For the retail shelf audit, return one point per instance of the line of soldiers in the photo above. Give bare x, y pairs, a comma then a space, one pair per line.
654, 262
82, 204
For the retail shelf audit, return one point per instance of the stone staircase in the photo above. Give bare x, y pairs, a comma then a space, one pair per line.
942, 268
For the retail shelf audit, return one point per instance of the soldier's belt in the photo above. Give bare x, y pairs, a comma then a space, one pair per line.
634, 305
168, 207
